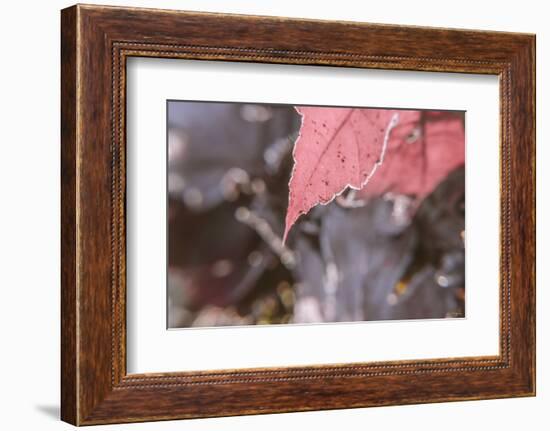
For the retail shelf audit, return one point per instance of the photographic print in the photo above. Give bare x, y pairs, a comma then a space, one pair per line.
282, 214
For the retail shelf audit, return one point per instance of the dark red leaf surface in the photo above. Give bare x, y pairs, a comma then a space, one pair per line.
422, 150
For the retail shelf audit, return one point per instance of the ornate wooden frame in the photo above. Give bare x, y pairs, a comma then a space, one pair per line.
95, 43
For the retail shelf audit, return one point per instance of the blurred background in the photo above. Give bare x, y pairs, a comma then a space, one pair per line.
229, 165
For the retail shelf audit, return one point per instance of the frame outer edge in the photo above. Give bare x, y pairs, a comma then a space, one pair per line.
533, 54
532, 79
69, 197
531, 65
522, 271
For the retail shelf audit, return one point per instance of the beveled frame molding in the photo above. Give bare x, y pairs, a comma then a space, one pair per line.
96, 41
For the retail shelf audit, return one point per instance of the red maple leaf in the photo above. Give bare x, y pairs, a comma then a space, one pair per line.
372, 150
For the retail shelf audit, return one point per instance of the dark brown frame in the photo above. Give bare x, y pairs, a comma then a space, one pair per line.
95, 43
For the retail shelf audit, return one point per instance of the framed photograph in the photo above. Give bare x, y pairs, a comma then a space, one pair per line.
264, 214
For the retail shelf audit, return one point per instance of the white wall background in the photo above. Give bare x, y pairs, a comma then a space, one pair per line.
29, 215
